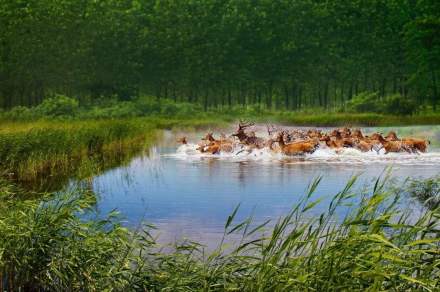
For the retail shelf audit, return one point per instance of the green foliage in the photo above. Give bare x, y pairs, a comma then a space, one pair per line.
57, 106
364, 102
18, 113
426, 190
277, 54
370, 102
31, 150
376, 247
46, 245
398, 105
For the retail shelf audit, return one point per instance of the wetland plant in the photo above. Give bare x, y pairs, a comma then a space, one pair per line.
48, 245
44, 149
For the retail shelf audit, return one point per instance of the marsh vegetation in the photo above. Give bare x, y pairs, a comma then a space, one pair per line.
88, 88
377, 246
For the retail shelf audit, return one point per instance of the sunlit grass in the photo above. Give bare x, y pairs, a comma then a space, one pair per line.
376, 247
30, 149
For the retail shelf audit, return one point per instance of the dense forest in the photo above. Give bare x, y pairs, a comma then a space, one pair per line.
286, 54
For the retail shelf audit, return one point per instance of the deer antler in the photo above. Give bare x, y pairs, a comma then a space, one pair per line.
243, 124
271, 129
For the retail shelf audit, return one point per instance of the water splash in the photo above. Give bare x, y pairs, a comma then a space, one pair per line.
321, 155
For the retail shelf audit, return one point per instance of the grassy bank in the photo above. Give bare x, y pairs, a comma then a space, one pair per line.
32, 151
347, 119
56, 149
170, 113
376, 247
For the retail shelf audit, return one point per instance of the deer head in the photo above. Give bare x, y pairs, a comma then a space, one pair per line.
182, 140
357, 133
270, 130
241, 127
391, 135
209, 137
377, 136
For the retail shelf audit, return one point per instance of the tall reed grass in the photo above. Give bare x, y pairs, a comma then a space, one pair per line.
377, 246
29, 151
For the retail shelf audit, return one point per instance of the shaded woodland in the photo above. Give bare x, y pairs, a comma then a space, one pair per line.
276, 54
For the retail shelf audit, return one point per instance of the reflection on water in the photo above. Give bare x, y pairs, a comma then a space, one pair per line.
192, 195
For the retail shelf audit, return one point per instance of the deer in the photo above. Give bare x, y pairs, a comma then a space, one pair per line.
412, 143
393, 146
333, 144
296, 148
182, 140
342, 139
342, 132
357, 133
295, 134
391, 136
362, 145
314, 133
248, 139
215, 146
269, 143
417, 144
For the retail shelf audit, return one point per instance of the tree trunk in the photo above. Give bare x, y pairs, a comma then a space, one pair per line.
434, 89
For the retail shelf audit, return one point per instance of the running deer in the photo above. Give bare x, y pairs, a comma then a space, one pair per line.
296, 148
248, 139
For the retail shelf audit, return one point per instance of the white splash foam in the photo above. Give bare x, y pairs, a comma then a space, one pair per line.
321, 155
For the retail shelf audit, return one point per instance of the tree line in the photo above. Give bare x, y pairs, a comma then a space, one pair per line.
284, 54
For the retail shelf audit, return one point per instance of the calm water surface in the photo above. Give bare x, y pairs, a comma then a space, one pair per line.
187, 194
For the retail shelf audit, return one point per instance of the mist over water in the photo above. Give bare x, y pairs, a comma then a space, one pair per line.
188, 194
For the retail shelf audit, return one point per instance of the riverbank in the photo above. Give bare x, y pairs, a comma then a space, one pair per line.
30, 150
46, 246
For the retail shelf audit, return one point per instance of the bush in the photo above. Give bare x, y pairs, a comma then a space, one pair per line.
364, 102
370, 102
399, 105
148, 106
18, 113
57, 106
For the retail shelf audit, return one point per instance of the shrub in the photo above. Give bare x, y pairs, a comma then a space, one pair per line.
148, 106
370, 102
399, 105
18, 113
57, 106
364, 102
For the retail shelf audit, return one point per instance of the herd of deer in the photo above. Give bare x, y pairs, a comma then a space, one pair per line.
297, 142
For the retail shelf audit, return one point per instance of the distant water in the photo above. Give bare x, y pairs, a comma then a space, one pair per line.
187, 194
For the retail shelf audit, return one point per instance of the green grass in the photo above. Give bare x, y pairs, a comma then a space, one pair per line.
169, 113
56, 149
31, 152
347, 119
376, 247
48, 148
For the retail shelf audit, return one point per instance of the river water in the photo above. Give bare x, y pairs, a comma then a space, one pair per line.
186, 194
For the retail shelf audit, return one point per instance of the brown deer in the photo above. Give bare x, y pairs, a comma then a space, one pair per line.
412, 143
393, 146
182, 140
343, 140
248, 139
417, 144
391, 136
362, 145
296, 148
333, 144
215, 146
270, 141
357, 133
